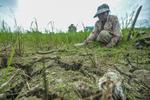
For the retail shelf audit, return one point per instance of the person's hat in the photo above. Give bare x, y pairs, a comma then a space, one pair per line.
102, 8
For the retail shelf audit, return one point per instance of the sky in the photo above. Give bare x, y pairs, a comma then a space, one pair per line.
7, 11
65, 12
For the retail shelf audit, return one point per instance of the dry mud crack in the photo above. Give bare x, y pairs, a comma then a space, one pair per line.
72, 74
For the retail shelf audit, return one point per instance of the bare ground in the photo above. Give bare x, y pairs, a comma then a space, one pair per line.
73, 73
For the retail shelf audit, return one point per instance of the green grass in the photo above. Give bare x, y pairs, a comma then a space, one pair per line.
38, 40
45, 41
35, 41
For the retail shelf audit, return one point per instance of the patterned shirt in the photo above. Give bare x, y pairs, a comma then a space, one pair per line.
111, 25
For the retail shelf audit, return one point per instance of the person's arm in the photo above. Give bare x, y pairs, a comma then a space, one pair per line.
116, 33
91, 37
93, 34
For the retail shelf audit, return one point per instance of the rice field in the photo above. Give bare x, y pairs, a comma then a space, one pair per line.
65, 67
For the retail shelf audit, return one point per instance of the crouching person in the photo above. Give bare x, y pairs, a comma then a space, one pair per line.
106, 30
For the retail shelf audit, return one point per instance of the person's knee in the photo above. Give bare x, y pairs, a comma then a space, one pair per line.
104, 32
104, 36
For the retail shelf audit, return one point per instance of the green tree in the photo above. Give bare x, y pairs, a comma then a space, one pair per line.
72, 28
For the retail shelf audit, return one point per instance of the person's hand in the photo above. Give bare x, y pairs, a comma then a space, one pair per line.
79, 44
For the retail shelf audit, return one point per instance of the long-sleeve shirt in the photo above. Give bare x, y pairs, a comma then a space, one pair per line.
111, 25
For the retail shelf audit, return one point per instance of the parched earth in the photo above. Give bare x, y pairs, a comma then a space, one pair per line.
73, 73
